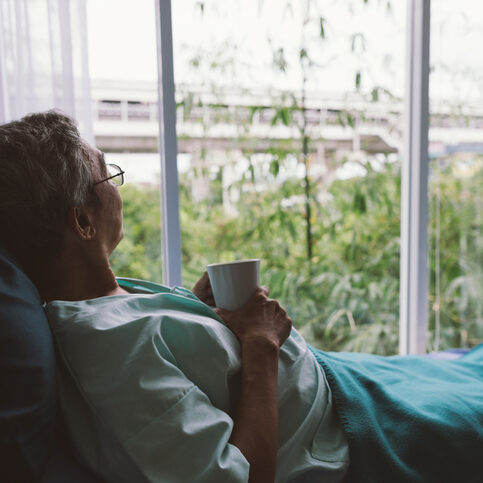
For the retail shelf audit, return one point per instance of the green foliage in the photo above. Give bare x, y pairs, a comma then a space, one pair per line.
347, 296
139, 253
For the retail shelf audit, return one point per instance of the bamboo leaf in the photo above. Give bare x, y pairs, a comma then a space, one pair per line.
285, 115
279, 61
375, 94
322, 27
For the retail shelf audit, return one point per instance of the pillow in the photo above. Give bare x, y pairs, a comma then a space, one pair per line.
27, 377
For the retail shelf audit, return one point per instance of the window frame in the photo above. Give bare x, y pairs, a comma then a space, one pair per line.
170, 227
414, 286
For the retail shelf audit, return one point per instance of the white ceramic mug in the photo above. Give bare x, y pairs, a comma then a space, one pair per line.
233, 283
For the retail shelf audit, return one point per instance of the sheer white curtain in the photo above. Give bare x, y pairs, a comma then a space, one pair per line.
43, 59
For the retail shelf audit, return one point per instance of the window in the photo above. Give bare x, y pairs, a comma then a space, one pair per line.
125, 114
456, 177
290, 147
291, 155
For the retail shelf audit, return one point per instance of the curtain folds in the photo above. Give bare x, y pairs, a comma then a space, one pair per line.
44, 61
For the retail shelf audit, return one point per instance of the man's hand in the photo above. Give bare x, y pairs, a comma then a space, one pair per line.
202, 289
260, 318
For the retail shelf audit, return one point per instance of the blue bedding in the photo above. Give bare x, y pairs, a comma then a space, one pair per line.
409, 418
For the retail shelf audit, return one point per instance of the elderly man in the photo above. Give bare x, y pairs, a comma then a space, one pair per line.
155, 385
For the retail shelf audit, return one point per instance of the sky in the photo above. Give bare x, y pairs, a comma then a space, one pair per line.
122, 41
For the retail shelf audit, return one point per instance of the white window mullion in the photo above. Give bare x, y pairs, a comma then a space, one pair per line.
170, 228
414, 185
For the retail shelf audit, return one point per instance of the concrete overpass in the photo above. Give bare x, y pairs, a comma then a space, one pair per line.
125, 120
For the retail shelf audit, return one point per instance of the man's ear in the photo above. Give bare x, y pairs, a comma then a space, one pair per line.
80, 220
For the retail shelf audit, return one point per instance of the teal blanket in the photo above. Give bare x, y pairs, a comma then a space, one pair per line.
409, 418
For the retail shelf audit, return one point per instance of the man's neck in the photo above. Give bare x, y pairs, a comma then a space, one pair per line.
77, 278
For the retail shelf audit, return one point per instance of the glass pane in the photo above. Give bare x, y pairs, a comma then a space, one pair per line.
289, 127
123, 84
456, 175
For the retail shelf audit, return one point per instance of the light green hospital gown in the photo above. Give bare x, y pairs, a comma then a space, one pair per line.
148, 385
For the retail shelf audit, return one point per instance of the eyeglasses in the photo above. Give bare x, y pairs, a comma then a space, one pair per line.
115, 173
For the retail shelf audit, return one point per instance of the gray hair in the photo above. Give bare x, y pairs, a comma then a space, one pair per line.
45, 169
